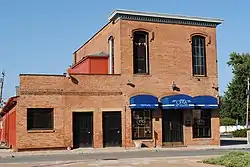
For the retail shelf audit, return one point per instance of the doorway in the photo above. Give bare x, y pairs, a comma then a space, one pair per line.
112, 131
172, 128
82, 129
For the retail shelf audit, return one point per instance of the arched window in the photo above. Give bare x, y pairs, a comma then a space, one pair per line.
111, 55
199, 55
140, 52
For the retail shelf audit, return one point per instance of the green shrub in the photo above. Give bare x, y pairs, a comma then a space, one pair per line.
240, 133
227, 121
231, 159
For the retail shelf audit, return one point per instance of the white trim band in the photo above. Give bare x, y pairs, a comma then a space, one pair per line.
133, 105
166, 16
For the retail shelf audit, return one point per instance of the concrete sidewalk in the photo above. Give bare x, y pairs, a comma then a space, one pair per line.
10, 153
132, 162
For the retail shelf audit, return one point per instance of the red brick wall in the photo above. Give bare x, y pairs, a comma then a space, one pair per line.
215, 131
170, 60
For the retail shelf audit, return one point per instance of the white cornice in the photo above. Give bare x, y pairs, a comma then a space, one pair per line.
118, 13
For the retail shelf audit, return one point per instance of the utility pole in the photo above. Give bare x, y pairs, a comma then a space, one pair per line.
247, 102
1, 89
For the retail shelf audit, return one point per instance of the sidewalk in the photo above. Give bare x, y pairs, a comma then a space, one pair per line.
135, 162
9, 153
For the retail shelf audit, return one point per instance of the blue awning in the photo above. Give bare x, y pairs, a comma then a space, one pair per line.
144, 101
180, 101
208, 102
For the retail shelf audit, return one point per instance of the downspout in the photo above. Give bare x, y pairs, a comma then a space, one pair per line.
125, 143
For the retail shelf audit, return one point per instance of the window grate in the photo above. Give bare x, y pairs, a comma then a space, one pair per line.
142, 124
202, 123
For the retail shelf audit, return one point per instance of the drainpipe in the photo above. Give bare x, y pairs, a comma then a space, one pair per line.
125, 115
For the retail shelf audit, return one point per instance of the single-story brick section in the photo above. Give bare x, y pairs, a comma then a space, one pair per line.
144, 78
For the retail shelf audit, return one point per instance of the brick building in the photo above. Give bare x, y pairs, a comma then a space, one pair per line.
144, 77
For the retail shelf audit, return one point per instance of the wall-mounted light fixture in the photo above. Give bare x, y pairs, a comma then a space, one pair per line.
67, 75
215, 87
129, 83
73, 79
175, 87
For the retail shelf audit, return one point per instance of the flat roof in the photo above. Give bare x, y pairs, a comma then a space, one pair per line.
116, 14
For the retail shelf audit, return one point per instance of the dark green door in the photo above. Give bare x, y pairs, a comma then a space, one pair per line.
82, 129
112, 131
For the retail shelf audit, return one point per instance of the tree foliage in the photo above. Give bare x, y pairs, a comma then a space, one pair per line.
234, 100
227, 121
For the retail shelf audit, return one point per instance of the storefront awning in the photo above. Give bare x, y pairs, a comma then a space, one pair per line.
204, 102
143, 101
180, 101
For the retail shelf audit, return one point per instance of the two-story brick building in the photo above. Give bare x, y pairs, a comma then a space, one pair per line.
145, 77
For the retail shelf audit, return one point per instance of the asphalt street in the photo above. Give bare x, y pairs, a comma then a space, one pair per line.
112, 156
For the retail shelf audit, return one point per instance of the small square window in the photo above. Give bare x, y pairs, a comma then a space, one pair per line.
40, 119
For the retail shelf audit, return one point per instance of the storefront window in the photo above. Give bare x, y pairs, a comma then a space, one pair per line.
142, 124
202, 124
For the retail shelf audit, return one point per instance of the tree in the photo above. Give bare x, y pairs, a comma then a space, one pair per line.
234, 100
227, 121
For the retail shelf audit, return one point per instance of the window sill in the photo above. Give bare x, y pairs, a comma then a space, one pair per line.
144, 140
142, 75
41, 131
204, 76
196, 139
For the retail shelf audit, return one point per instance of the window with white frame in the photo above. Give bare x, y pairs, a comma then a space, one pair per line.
140, 52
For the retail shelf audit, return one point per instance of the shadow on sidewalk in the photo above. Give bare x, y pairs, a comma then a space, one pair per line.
232, 142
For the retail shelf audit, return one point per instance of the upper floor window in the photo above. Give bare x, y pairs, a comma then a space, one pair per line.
111, 55
140, 52
199, 55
